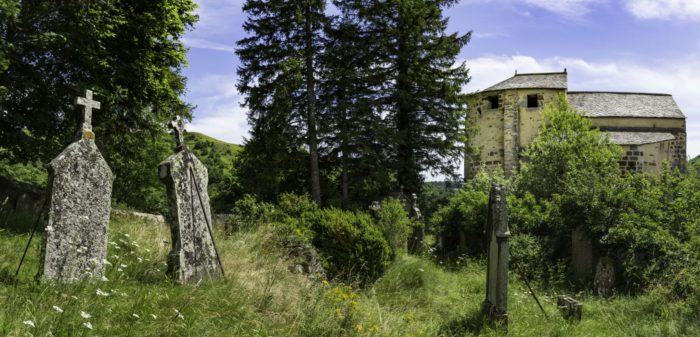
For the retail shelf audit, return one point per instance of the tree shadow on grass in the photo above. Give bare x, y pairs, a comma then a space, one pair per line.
469, 325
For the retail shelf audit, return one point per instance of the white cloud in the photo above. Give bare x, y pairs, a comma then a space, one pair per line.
665, 9
568, 8
219, 113
681, 78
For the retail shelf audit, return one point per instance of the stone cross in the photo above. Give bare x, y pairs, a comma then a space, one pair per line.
89, 104
193, 256
75, 244
178, 127
495, 306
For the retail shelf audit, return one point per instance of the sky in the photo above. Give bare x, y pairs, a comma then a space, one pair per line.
605, 45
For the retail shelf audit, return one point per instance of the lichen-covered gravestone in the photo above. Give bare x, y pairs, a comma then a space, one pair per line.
495, 306
75, 245
193, 256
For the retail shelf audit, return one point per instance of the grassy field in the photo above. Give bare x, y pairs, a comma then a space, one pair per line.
261, 297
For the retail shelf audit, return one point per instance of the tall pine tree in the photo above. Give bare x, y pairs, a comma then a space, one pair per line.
278, 78
421, 98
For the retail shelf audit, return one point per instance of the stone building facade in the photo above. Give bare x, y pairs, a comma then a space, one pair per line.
505, 118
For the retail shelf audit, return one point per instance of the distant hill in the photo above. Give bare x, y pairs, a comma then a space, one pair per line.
212, 151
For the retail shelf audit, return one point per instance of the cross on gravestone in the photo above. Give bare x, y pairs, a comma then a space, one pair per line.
495, 305
89, 104
75, 244
178, 127
193, 256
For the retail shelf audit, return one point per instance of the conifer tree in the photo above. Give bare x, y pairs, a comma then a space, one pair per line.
352, 129
421, 97
278, 78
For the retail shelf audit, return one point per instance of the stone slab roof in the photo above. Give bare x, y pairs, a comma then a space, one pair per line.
533, 81
639, 138
622, 104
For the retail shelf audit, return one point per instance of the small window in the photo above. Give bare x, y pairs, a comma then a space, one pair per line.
533, 101
494, 102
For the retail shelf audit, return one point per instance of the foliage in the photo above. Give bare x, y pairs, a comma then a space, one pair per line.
260, 296
394, 223
219, 157
277, 78
248, 213
351, 243
129, 52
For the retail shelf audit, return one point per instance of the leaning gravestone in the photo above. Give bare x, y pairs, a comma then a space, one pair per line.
193, 256
415, 242
495, 306
75, 245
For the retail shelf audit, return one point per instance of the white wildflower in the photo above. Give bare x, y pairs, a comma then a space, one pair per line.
154, 316
87, 325
113, 243
99, 292
58, 309
127, 235
120, 270
105, 261
74, 297
104, 279
148, 250
124, 295
421, 270
139, 259
30, 323
85, 315
179, 315
135, 315
123, 265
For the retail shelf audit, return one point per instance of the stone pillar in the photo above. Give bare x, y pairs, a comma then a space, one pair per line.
193, 256
75, 244
495, 306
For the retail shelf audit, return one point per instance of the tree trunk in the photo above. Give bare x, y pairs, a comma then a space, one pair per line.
408, 175
344, 157
311, 109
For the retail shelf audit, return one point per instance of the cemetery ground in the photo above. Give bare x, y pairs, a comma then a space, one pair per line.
260, 296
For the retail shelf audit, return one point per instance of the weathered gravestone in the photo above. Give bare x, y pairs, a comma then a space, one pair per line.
495, 306
570, 308
415, 242
193, 256
75, 245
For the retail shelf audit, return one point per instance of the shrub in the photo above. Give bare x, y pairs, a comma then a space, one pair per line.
460, 224
394, 223
250, 213
352, 245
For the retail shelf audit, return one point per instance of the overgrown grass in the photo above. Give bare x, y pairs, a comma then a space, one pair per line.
261, 297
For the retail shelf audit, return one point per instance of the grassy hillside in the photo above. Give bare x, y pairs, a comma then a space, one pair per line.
214, 151
261, 297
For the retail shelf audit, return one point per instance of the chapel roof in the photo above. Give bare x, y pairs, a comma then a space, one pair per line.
624, 104
533, 81
639, 138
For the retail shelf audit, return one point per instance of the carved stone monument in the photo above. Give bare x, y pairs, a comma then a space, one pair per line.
193, 256
495, 306
75, 244
415, 242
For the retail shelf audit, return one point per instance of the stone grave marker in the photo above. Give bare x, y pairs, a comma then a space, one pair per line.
415, 242
569, 307
75, 244
495, 306
193, 256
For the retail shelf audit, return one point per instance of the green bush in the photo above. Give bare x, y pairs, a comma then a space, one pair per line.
461, 223
394, 223
351, 243
250, 213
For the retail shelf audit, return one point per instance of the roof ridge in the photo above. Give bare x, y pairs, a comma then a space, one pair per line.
546, 73
619, 93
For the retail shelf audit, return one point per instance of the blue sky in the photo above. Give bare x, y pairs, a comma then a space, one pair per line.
617, 45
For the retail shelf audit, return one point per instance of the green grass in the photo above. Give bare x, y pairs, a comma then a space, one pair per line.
261, 297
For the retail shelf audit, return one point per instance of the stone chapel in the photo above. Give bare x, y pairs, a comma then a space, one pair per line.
506, 117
